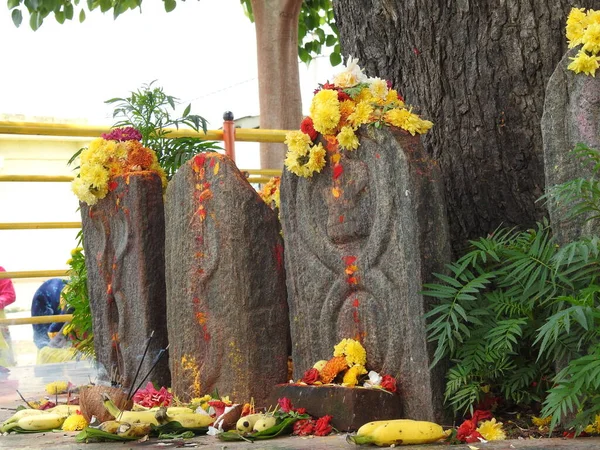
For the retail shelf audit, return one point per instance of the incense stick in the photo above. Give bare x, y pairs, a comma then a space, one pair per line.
140, 366
154, 364
23, 398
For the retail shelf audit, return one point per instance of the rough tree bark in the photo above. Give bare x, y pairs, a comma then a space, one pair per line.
478, 70
276, 23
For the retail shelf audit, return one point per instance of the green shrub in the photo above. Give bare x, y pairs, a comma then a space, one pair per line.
515, 304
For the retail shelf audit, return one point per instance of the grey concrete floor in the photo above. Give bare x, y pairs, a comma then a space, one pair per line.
31, 380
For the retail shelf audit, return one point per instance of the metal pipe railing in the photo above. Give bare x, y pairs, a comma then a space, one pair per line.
34, 274
38, 225
93, 131
37, 320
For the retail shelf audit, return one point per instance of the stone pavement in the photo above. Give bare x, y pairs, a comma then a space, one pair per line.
30, 381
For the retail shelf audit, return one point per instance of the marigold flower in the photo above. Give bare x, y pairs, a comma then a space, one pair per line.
75, 422
378, 88
576, 23
57, 387
334, 366
361, 115
541, 421
491, 431
347, 139
585, 63
591, 38
325, 111
352, 374
352, 350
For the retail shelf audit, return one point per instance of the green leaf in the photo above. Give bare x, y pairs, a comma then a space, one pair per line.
60, 17
69, 11
170, 5
35, 20
187, 110
13, 3
17, 17
335, 59
81, 16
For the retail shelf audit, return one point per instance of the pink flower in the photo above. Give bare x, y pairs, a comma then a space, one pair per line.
285, 404
123, 134
388, 383
150, 397
322, 427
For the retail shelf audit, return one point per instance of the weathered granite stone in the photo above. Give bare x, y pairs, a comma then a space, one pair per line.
359, 245
123, 236
350, 408
226, 297
571, 115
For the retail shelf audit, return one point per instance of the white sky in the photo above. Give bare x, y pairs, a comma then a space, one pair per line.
203, 52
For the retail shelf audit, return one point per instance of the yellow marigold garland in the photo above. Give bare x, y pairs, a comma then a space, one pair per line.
108, 157
338, 109
583, 28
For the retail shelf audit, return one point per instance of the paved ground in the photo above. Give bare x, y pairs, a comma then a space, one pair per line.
30, 381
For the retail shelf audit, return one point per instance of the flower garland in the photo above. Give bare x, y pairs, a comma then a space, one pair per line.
115, 153
270, 192
338, 109
583, 28
348, 366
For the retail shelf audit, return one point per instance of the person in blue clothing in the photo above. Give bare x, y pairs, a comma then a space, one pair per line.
46, 302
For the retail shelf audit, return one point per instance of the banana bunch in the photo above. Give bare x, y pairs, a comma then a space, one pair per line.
39, 420
186, 419
398, 432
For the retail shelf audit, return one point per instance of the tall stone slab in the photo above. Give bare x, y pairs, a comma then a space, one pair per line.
226, 298
358, 247
123, 236
571, 115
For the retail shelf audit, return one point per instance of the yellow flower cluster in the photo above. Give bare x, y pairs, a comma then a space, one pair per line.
57, 387
583, 28
491, 430
75, 422
105, 159
338, 110
353, 351
270, 192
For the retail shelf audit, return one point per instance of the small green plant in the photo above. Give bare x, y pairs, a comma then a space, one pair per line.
517, 303
150, 110
76, 299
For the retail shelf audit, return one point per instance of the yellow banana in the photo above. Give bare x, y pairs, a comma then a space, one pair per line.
41, 422
110, 426
187, 420
23, 413
264, 423
137, 430
129, 416
369, 427
246, 424
65, 410
400, 432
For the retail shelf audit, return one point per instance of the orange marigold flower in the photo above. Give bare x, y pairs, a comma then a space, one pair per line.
333, 367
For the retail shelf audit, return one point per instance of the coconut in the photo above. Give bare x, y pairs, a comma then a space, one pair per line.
91, 402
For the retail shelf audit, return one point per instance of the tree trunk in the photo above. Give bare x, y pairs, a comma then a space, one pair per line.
478, 70
276, 23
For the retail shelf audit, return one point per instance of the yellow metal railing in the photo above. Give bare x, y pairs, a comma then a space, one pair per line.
37, 320
88, 131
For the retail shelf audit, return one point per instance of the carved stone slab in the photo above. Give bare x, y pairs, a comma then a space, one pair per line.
226, 297
123, 237
350, 408
358, 247
571, 115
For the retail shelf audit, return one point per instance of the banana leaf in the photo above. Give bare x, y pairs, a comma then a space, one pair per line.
175, 428
281, 428
22, 431
94, 434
